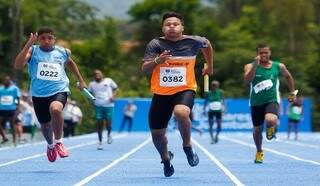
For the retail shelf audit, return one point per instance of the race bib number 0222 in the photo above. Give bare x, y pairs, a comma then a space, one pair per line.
172, 76
49, 71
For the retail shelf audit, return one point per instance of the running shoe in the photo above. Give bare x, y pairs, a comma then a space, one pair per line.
61, 150
270, 132
192, 157
168, 169
5, 140
109, 140
51, 154
259, 157
100, 147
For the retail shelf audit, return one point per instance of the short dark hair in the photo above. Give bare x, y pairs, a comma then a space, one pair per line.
45, 30
172, 14
262, 45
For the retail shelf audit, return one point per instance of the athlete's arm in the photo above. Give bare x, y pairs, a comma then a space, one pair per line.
72, 66
208, 56
149, 64
25, 54
286, 74
250, 70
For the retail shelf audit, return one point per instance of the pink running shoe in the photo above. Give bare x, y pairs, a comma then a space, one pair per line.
51, 154
61, 150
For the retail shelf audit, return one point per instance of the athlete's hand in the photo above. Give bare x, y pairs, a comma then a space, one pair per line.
32, 39
163, 57
207, 71
257, 60
81, 85
292, 96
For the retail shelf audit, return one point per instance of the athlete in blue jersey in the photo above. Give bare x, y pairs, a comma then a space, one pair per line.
9, 99
49, 85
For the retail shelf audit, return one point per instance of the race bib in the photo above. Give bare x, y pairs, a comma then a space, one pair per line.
6, 100
263, 85
297, 110
49, 71
172, 76
216, 105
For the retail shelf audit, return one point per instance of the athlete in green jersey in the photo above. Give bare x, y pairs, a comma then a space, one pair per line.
263, 77
295, 113
215, 100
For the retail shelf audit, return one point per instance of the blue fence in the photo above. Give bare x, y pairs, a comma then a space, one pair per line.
236, 118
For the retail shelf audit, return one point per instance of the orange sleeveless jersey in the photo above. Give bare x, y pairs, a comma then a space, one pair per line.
175, 75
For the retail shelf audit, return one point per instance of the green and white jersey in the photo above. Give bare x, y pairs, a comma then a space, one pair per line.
295, 112
214, 99
264, 87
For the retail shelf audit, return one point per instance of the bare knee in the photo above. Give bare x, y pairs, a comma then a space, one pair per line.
271, 119
181, 112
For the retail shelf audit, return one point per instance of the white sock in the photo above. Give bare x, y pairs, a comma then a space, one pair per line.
58, 140
51, 146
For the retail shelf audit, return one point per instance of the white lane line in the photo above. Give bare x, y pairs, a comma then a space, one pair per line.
44, 142
43, 154
233, 178
115, 162
299, 144
271, 150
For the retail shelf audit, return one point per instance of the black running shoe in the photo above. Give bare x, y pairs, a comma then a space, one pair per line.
192, 157
168, 169
5, 140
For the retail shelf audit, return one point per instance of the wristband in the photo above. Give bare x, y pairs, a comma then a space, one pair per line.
155, 60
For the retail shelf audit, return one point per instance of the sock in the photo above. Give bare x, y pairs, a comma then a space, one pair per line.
51, 146
58, 140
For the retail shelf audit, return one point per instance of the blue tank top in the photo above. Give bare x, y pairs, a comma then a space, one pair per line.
47, 71
9, 97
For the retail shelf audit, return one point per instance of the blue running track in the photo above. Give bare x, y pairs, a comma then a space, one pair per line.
133, 160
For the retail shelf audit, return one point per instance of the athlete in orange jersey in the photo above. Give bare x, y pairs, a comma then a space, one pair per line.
171, 60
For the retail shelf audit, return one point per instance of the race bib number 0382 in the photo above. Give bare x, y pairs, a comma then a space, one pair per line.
49, 71
172, 76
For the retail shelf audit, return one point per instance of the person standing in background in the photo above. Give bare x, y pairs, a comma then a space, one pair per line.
128, 114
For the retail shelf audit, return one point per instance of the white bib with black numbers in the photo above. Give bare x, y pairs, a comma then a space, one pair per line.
263, 85
49, 71
6, 100
216, 105
172, 76
296, 110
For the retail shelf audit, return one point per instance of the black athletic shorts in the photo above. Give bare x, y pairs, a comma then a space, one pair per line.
41, 105
258, 112
162, 107
7, 115
294, 121
211, 114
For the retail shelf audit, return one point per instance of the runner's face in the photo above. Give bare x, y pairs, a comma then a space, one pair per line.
97, 75
46, 40
7, 81
264, 54
172, 27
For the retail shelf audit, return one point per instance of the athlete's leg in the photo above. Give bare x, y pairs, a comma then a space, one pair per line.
130, 119
182, 113
57, 121
257, 137
124, 120
99, 126
296, 130
219, 121
2, 131
289, 129
47, 132
160, 141
13, 129
210, 122
271, 120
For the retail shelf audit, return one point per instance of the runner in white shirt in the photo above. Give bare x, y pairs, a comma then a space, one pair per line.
104, 89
